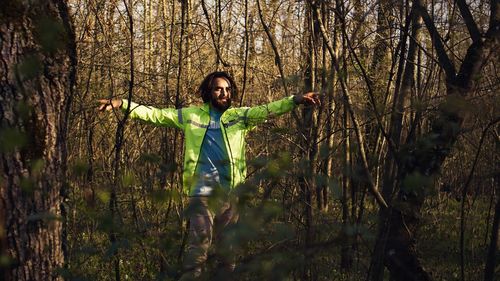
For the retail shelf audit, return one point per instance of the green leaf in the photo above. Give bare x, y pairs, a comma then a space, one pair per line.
283, 231
324, 151
5, 261
23, 109
11, 138
335, 189
417, 184
80, 168
273, 168
149, 158
29, 68
128, 178
161, 197
321, 180
50, 34
44, 216
259, 162
454, 104
37, 166
104, 196
27, 185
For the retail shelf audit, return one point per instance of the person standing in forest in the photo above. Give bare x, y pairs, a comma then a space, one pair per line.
214, 156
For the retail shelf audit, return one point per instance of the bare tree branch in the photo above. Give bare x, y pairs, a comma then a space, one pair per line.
378, 197
217, 51
443, 59
478, 53
277, 57
474, 31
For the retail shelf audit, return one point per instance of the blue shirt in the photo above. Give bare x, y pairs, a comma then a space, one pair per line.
213, 165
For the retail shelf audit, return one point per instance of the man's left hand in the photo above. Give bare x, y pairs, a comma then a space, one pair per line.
309, 98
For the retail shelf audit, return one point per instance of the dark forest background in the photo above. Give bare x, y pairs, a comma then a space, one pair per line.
394, 177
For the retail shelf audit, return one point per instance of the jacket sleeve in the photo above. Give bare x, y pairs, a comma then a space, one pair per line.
169, 117
259, 114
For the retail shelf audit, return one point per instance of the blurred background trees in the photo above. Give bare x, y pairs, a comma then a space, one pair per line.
395, 175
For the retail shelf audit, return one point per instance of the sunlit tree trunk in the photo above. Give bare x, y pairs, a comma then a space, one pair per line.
38, 74
326, 109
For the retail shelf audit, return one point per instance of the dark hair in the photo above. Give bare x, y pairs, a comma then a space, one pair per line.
205, 89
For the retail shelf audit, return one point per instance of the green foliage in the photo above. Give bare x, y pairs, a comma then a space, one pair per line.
104, 196
44, 216
455, 104
161, 198
128, 178
11, 139
440, 233
418, 185
30, 67
27, 186
79, 168
149, 158
50, 34
5, 261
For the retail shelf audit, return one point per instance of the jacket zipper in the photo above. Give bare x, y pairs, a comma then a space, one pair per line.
230, 155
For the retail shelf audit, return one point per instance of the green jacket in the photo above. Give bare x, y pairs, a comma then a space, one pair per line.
194, 120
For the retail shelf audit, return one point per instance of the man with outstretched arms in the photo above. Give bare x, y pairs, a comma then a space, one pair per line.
214, 154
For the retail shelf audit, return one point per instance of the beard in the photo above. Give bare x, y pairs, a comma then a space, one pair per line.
221, 104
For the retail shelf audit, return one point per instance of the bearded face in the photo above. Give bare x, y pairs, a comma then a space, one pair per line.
221, 94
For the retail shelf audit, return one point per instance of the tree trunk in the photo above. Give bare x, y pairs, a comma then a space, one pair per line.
491, 258
307, 138
420, 161
397, 121
38, 75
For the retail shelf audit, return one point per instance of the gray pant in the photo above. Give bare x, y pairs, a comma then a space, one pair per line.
208, 218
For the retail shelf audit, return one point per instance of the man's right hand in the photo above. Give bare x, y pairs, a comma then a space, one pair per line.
109, 104
309, 98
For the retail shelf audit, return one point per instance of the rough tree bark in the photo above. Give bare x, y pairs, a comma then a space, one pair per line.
37, 70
